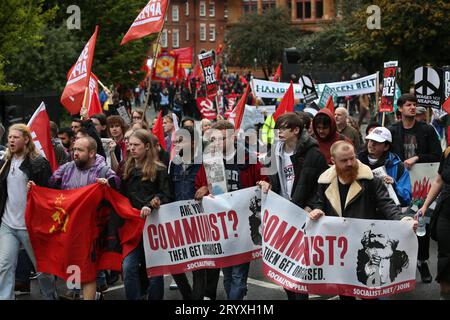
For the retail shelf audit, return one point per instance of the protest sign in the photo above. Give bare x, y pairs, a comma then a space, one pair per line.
428, 87
308, 89
326, 93
380, 172
215, 233
388, 95
272, 89
367, 84
206, 108
207, 63
334, 255
422, 176
124, 114
446, 88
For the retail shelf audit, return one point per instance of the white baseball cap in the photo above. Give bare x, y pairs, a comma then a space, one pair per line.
380, 134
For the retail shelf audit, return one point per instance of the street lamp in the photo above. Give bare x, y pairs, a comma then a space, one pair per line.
256, 63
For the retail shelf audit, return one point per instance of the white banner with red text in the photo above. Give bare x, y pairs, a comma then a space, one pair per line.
215, 233
334, 255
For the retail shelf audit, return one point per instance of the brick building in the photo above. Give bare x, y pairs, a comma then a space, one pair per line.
202, 23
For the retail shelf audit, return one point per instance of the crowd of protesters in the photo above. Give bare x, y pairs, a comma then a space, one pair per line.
319, 157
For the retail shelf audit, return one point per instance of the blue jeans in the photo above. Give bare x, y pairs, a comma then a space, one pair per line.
235, 281
10, 241
24, 267
132, 280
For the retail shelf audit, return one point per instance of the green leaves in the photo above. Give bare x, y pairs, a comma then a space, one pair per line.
262, 37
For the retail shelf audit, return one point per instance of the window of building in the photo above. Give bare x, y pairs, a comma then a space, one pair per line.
202, 32
175, 13
319, 9
303, 9
268, 4
186, 8
202, 8
187, 31
249, 6
164, 38
212, 32
175, 38
212, 9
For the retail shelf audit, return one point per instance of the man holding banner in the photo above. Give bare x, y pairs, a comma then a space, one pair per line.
349, 189
415, 142
239, 176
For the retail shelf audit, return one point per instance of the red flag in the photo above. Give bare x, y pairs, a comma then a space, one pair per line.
158, 130
277, 75
78, 78
206, 107
446, 105
238, 111
93, 228
219, 49
217, 71
93, 101
39, 125
243, 80
150, 20
181, 74
231, 98
185, 56
330, 104
286, 104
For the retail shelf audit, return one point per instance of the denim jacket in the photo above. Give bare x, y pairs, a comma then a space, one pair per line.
183, 181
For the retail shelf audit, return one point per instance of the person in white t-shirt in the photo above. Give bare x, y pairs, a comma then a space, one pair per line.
21, 165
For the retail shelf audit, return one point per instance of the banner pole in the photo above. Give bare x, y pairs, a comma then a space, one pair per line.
83, 111
155, 58
377, 92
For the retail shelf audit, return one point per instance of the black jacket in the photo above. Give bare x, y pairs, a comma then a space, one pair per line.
428, 146
37, 170
141, 192
309, 163
367, 197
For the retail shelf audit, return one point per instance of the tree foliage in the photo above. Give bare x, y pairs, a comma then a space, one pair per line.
262, 37
413, 32
21, 24
45, 64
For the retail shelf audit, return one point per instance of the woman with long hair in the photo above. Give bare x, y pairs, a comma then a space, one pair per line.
146, 184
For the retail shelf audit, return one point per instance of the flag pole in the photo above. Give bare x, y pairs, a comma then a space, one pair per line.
83, 111
155, 58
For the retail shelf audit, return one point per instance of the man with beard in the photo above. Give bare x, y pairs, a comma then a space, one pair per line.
67, 138
87, 167
349, 189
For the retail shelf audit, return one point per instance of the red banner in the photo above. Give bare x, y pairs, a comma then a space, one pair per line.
231, 98
78, 77
92, 228
184, 56
39, 125
206, 108
150, 20
158, 130
166, 67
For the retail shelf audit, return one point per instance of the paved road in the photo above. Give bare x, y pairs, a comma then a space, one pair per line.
260, 288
